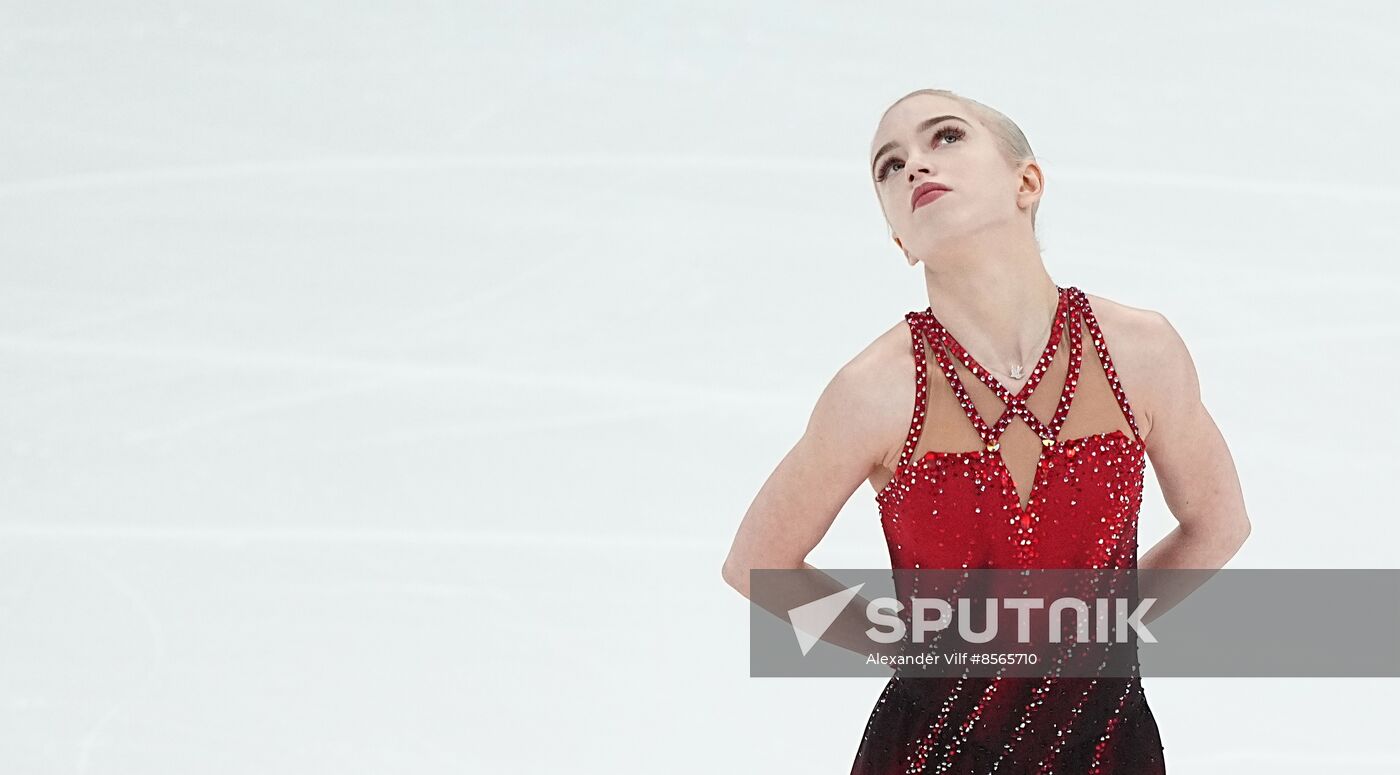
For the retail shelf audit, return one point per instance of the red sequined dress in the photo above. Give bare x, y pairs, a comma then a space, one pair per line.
946, 508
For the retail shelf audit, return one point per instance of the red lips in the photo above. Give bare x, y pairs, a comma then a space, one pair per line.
924, 188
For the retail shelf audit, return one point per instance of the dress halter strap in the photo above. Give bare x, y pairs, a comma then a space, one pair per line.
916, 427
1066, 312
1101, 347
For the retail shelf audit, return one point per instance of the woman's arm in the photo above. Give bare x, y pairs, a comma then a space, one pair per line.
851, 431
1191, 459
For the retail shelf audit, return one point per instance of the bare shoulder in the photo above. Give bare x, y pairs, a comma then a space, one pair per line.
870, 400
1152, 360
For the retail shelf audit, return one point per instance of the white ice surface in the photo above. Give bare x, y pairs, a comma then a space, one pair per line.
381, 385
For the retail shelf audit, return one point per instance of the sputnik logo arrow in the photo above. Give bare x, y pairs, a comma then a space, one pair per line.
811, 620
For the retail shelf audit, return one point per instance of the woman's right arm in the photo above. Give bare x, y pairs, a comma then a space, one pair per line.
858, 425
848, 436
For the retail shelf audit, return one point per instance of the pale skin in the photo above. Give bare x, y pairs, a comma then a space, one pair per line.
984, 274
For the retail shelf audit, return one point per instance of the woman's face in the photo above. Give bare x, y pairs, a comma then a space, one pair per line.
932, 139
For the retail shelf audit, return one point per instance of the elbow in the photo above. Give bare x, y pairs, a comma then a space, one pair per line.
1239, 528
1230, 545
736, 577
1242, 534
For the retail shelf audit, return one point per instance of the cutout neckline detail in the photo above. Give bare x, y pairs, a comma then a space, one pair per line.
1014, 404
990, 380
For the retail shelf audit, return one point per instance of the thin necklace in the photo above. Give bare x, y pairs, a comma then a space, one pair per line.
1017, 371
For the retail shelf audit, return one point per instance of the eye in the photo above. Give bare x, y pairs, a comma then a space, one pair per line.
952, 131
887, 168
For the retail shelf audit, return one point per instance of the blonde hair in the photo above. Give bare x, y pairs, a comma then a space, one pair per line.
1010, 140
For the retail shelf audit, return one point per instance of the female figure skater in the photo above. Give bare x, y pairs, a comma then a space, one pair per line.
1012, 386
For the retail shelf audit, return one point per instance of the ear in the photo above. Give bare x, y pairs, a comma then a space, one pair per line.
912, 261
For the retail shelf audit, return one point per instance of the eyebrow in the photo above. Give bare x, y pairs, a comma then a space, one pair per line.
923, 125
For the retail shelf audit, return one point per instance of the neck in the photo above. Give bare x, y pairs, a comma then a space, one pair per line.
995, 299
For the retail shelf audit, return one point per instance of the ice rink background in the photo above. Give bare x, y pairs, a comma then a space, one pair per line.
382, 384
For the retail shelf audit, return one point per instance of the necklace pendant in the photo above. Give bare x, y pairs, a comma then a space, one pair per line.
1016, 372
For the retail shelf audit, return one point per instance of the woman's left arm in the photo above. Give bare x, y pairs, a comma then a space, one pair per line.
1189, 455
